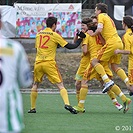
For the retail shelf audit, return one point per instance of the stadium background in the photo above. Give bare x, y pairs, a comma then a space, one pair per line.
87, 4
51, 117
66, 71
87, 10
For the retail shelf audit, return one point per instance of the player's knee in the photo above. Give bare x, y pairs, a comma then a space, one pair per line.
114, 67
84, 86
60, 85
94, 61
78, 85
35, 85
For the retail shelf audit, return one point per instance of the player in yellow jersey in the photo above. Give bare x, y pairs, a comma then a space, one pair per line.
92, 45
114, 67
101, 41
110, 93
127, 24
85, 58
47, 41
108, 31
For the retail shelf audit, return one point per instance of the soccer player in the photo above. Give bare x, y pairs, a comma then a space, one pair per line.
108, 31
127, 24
85, 59
113, 61
45, 64
93, 45
14, 74
110, 93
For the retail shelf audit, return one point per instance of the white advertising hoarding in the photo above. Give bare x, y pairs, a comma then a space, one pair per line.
31, 18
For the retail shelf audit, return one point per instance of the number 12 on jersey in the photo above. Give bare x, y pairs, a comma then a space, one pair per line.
43, 41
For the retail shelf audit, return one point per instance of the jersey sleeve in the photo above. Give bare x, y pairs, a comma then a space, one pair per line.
126, 43
101, 18
24, 72
85, 40
62, 42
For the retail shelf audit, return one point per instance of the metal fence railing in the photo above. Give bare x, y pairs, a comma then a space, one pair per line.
86, 4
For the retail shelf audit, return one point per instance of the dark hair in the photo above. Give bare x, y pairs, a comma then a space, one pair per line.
94, 17
91, 25
50, 21
103, 7
128, 21
86, 20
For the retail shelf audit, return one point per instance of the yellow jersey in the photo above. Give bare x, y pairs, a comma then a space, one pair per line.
128, 40
46, 44
128, 45
109, 29
93, 45
84, 42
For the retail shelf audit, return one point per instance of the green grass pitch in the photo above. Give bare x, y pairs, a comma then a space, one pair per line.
100, 117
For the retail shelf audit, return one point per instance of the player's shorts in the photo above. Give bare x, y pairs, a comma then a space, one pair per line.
115, 59
106, 53
82, 67
90, 72
130, 70
48, 68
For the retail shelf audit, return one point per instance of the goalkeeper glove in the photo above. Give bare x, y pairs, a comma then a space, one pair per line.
81, 34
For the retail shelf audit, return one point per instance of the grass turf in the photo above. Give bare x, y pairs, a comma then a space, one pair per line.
100, 117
